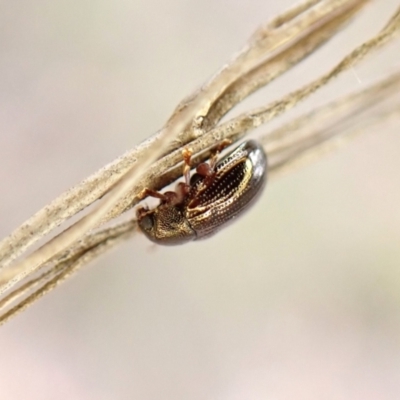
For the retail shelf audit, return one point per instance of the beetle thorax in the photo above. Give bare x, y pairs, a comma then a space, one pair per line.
170, 225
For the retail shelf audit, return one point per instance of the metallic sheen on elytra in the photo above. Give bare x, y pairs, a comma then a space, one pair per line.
216, 194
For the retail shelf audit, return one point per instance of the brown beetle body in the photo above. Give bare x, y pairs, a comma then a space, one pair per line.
216, 194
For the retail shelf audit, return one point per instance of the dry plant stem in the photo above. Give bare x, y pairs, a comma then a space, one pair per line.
75, 232
296, 132
70, 267
68, 204
29, 287
292, 13
255, 118
275, 65
233, 129
73, 201
318, 147
90, 244
326, 128
264, 42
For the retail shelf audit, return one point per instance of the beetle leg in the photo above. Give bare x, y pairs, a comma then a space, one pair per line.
204, 169
221, 146
187, 155
141, 212
181, 191
166, 198
152, 193
207, 169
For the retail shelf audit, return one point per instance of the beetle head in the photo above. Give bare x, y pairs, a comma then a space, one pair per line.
166, 225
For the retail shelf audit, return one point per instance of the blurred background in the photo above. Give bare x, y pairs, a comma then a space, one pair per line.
298, 300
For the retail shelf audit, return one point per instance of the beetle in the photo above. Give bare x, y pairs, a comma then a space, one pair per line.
217, 193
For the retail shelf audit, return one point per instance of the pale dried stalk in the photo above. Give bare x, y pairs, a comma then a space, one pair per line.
57, 276
332, 126
295, 21
69, 258
264, 43
315, 133
273, 67
294, 134
318, 147
235, 128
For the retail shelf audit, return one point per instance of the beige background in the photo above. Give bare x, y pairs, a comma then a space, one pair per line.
298, 300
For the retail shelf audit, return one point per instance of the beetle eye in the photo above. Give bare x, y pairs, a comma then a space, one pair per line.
147, 222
